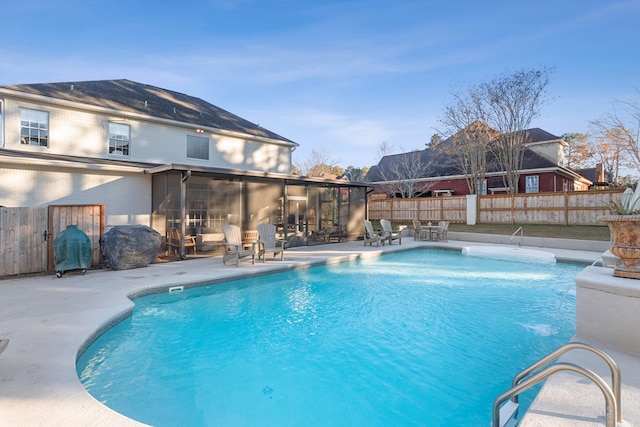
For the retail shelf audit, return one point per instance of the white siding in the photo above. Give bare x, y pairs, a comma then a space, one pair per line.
79, 132
552, 150
127, 197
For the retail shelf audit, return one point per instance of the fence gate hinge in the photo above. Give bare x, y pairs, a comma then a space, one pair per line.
46, 235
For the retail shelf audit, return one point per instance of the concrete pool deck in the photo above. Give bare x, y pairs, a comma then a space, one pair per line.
48, 320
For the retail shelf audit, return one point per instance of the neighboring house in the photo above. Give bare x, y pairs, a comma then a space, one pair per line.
160, 158
541, 171
596, 175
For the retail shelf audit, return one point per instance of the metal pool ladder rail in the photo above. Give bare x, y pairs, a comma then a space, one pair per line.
521, 231
503, 414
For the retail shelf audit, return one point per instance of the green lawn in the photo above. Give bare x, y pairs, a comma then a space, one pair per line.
580, 232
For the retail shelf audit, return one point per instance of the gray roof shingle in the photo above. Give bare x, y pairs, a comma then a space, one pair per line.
128, 96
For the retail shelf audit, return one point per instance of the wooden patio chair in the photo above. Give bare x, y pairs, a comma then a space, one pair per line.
388, 233
233, 246
269, 243
421, 233
175, 240
370, 235
441, 231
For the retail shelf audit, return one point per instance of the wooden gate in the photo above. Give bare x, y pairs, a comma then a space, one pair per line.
23, 247
88, 218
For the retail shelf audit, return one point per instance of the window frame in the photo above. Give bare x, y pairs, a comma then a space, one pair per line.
529, 186
38, 133
115, 139
192, 151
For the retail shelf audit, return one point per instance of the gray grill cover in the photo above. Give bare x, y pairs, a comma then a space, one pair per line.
72, 249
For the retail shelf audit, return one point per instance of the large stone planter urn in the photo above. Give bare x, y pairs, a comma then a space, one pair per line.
625, 243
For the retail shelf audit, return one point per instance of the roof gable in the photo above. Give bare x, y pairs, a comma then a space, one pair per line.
128, 96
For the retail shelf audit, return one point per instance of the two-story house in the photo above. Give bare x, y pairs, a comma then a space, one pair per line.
160, 158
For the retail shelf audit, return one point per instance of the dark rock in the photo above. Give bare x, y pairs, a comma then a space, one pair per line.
130, 246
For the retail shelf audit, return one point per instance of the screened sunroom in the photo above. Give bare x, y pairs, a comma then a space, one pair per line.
196, 202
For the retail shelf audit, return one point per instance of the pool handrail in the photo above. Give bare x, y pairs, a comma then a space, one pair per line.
611, 413
616, 381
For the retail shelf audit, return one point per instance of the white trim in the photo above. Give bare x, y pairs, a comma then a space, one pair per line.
67, 164
549, 141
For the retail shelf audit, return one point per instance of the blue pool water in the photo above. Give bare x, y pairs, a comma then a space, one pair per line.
423, 337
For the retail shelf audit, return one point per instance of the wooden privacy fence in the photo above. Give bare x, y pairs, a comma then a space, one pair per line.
452, 209
27, 234
566, 208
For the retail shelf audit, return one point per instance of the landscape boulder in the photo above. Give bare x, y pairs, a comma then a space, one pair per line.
129, 246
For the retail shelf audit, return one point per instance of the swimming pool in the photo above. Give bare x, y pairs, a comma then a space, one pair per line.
420, 337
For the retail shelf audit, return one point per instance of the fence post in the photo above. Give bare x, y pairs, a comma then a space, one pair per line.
472, 209
566, 208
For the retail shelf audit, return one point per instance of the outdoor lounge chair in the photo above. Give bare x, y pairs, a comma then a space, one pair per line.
421, 232
233, 246
268, 243
441, 231
388, 233
370, 236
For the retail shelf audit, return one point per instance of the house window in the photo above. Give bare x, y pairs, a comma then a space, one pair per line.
197, 147
34, 127
119, 139
532, 184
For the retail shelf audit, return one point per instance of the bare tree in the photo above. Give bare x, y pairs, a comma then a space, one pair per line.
318, 164
580, 153
384, 149
471, 138
621, 128
405, 176
612, 151
509, 103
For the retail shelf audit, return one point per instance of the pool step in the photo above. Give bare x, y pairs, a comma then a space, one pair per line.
508, 413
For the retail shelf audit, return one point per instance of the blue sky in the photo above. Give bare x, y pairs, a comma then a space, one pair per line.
335, 75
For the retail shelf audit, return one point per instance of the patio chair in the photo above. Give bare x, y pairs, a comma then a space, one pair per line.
421, 233
250, 238
370, 236
233, 246
175, 240
388, 233
268, 242
441, 231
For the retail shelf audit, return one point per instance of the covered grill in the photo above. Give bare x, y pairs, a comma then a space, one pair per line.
72, 251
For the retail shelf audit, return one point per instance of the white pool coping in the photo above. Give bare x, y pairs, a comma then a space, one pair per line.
48, 320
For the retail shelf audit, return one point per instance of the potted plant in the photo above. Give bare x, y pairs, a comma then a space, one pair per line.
624, 224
